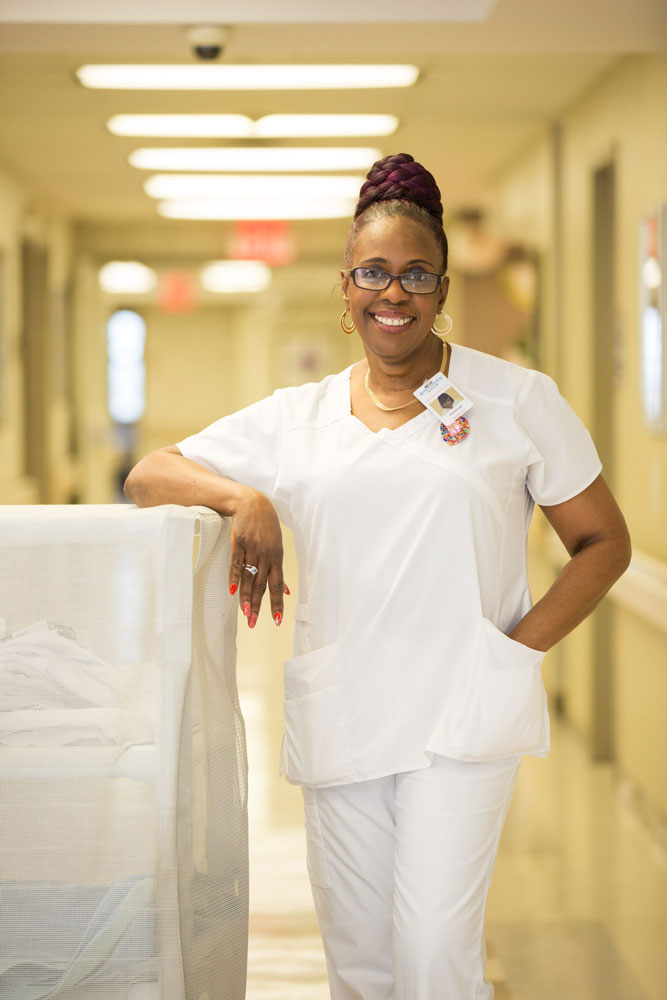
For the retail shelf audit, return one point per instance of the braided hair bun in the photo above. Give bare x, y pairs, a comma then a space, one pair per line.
397, 185
398, 177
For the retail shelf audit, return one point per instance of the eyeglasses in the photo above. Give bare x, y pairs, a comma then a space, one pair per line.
414, 282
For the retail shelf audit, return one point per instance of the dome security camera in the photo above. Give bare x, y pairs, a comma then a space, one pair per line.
207, 41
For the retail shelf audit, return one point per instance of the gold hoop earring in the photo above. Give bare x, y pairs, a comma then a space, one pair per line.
446, 330
346, 327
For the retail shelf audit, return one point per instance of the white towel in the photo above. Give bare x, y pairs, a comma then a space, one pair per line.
73, 727
118, 945
40, 668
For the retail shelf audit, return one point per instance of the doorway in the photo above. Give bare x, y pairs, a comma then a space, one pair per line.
34, 355
604, 355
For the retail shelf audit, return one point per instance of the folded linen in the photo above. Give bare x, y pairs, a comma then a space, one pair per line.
73, 727
116, 941
41, 668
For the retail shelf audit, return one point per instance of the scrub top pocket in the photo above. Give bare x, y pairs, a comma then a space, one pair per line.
507, 712
316, 750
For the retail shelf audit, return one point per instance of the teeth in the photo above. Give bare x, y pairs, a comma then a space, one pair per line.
389, 321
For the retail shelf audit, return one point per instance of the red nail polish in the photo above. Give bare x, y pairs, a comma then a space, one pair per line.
287, 590
246, 608
278, 618
233, 589
252, 621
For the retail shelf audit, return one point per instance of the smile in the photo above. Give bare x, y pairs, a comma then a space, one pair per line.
392, 320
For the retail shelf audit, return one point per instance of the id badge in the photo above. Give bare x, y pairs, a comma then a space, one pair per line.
443, 400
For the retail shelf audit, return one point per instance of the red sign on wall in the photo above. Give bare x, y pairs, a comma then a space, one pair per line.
177, 292
270, 240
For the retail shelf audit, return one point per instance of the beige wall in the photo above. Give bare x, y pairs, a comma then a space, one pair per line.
12, 483
621, 120
97, 453
22, 220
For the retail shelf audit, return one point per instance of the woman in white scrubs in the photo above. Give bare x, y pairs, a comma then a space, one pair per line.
412, 693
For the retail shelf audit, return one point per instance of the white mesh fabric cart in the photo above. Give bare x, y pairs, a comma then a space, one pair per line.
123, 805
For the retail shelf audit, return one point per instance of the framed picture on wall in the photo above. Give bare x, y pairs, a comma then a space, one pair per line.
653, 362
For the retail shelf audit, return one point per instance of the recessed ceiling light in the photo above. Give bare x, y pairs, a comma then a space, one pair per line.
252, 186
652, 273
242, 127
322, 126
126, 276
246, 77
183, 126
229, 276
258, 208
234, 159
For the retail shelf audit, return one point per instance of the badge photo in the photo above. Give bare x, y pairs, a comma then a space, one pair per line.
443, 400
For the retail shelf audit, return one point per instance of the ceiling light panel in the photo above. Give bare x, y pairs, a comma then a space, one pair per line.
251, 12
126, 276
183, 126
236, 159
234, 276
323, 126
258, 208
252, 186
242, 127
246, 77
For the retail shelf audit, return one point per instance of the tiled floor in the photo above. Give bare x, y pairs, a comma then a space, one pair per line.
578, 906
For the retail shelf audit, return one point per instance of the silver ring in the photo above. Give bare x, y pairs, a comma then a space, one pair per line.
250, 569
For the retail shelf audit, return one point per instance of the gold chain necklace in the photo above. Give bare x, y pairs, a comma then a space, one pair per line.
381, 406
390, 409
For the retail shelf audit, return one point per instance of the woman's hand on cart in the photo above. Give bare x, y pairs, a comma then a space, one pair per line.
257, 556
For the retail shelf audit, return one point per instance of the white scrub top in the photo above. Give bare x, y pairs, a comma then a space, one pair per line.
412, 565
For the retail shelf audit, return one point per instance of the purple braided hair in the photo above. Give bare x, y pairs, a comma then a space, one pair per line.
397, 185
398, 177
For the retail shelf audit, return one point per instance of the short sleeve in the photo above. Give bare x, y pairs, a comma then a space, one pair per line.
243, 446
564, 460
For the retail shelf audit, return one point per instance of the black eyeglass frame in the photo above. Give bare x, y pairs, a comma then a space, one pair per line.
394, 277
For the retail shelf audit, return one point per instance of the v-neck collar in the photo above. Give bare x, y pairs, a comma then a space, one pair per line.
404, 430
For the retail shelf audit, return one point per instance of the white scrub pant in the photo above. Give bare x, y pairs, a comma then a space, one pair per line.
400, 869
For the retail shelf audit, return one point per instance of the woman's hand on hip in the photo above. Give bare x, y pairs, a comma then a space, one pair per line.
257, 541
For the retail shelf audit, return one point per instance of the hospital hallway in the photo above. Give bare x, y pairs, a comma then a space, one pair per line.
577, 907
178, 187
